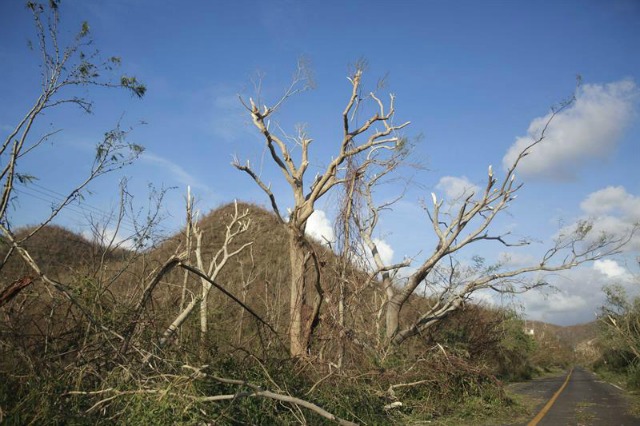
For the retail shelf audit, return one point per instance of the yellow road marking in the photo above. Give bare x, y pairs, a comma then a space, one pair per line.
547, 407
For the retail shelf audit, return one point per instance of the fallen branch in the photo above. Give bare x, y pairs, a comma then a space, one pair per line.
13, 289
284, 398
255, 390
153, 279
204, 276
391, 389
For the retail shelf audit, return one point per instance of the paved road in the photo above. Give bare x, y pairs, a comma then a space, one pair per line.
585, 400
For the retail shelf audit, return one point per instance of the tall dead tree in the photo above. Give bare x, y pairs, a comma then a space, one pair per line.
449, 284
376, 132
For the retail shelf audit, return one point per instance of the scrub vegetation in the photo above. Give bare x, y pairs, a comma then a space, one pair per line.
619, 338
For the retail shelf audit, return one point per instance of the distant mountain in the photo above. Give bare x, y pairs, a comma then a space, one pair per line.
580, 339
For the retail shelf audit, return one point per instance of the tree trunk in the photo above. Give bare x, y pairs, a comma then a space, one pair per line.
298, 345
204, 313
392, 317
304, 314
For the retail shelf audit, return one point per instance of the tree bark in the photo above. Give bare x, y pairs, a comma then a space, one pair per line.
298, 305
392, 317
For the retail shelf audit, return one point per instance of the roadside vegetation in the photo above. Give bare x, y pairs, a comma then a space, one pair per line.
619, 338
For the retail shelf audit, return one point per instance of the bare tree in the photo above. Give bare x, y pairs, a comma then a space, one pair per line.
239, 224
355, 247
448, 284
378, 131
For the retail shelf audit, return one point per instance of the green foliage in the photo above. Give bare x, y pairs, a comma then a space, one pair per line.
515, 351
138, 89
620, 335
633, 375
84, 29
495, 337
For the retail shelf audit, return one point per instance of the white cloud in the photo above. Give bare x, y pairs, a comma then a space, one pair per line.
578, 297
612, 200
612, 270
385, 250
613, 210
484, 297
563, 302
589, 129
319, 227
456, 187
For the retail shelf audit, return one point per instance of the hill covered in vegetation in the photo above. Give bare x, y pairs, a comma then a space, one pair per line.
119, 328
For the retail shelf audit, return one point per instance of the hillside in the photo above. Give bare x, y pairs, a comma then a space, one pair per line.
75, 337
258, 275
59, 252
570, 336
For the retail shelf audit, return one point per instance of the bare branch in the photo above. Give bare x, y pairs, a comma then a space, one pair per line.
204, 276
247, 169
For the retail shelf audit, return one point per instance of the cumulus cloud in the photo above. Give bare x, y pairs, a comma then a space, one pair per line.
589, 129
319, 227
579, 294
385, 250
455, 188
485, 298
612, 270
561, 302
576, 300
613, 210
612, 200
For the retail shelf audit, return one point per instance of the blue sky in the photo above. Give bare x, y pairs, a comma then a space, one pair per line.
472, 77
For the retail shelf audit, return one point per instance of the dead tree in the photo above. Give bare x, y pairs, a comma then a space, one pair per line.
376, 132
469, 221
238, 225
